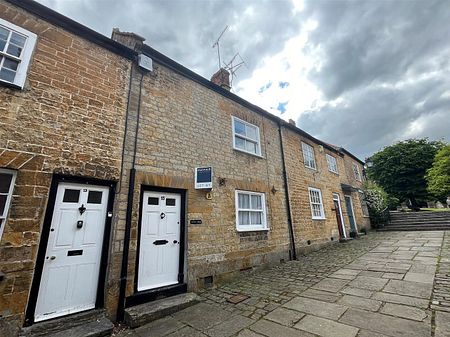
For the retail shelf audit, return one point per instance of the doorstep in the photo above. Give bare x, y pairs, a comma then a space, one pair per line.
144, 313
92, 323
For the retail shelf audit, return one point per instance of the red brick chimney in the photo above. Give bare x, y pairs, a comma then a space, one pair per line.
222, 78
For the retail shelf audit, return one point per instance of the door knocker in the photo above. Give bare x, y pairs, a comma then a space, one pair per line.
162, 215
82, 209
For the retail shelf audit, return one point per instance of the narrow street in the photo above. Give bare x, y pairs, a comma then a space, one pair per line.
383, 284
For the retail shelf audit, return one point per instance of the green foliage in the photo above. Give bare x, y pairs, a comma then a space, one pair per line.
377, 202
438, 176
376, 197
400, 168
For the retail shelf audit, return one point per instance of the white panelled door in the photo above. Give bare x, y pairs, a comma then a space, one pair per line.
159, 251
72, 262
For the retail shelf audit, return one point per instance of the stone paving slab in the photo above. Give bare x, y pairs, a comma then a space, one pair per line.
271, 329
325, 327
391, 326
320, 295
285, 316
404, 311
400, 299
369, 283
331, 284
187, 331
357, 292
317, 308
230, 327
360, 303
419, 277
413, 289
201, 316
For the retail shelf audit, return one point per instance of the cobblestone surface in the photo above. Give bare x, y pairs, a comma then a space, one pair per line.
384, 284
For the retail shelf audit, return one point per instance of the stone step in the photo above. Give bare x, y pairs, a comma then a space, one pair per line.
92, 323
421, 217
421, 221
144, 313
414, 228
420, 214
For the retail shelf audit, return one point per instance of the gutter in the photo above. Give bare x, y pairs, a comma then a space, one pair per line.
286, 193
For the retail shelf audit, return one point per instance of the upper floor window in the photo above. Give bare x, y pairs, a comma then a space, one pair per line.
250, 211
332, 164
7, 178
16, 47
246, 137
356, 172
308, 156
315, 200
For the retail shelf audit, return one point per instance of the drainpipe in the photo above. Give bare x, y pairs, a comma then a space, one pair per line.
129, 216
286, 193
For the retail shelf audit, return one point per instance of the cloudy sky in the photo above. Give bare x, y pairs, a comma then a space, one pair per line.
359, 74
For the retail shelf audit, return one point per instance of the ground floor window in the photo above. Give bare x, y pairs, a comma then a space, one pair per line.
7, 178
315, 200
250, 211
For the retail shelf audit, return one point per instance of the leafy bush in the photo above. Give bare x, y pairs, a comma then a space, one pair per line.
377, 203
438, 176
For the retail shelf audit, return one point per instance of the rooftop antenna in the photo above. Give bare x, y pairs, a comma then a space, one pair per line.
233, 68
218, 44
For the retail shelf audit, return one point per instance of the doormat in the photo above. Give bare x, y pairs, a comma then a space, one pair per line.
237, 298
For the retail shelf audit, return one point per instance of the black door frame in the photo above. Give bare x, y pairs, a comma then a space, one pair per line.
150, 295
56, 180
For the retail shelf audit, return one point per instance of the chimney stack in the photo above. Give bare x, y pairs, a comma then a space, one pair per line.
128, 39
222, 78
291, 121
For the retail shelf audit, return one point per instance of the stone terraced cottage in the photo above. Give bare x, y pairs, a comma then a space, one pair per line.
102, 142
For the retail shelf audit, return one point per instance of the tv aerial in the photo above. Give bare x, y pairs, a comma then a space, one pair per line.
234, 64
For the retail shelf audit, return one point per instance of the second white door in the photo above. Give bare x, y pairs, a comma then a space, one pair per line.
159, 252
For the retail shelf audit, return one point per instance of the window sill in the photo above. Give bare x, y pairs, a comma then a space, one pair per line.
311, 168
10, 85
319, 218
250, 153
252, 230
336, 173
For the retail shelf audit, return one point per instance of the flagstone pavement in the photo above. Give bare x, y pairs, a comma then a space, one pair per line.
383, 284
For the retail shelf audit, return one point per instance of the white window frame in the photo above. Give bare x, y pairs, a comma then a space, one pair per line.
264, 226
311, 203
356, 172
332, 163
24, 59
9, 195
257, 140
307, 150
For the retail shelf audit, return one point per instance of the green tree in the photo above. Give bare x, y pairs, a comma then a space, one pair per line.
400, 168
438, 176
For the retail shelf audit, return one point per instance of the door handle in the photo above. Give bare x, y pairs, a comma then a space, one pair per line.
175, 241
51, 257
160, 242
162, 216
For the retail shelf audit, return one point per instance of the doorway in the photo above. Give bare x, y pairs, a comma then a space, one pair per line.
71, 265
339, 217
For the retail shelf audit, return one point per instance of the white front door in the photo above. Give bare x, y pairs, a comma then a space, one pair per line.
159, 251
72, 262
